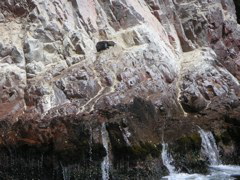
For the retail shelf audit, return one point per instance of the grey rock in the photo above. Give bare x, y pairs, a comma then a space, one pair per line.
17, 55
2, 18
172, 53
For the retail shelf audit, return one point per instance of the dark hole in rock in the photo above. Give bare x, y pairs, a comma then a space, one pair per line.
83, 77
148, 75
103, 45
237, 5
119, 77
79, 49
17, 7
11, 94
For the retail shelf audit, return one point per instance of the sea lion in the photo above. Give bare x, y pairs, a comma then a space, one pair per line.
103, 45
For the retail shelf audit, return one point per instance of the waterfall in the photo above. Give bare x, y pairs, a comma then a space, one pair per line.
66, 172
126, 134
90, 151
209, 147
105, 164
167, 159
90, 144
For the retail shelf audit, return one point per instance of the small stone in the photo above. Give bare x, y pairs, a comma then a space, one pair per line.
17, 56
2, 18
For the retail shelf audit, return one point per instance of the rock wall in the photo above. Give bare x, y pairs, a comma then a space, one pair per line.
173, 62
49, 61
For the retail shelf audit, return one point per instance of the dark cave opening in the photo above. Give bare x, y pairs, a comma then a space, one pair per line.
237, 5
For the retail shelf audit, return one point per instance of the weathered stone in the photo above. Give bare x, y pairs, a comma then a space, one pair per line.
17, 56
172, 65
2, 18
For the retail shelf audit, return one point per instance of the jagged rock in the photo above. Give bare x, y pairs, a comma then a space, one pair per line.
56, 38
17, 7
2, 18
33, 51
172, 65
17, 56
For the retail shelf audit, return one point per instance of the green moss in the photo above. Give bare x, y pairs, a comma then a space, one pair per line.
151, 149
122, 151
188, 143
186, 153
196, 139
136, 152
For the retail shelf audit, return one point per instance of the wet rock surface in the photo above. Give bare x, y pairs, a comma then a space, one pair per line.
172, 66
72, 145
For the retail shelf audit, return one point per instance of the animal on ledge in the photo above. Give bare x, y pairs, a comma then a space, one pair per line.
103, 45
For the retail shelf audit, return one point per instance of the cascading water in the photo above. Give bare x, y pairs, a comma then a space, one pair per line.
210, 150
106, 163
126, 134
66, 171
90, 144
167, 159
209, 147
90, 150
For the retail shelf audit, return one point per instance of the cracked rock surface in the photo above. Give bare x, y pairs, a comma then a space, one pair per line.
49, 60
174, 60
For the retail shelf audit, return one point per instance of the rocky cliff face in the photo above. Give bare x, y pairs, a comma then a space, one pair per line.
175, 65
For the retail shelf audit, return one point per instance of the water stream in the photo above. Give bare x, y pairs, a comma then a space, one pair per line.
90, 150
106, 163
167, 159
209, 147
66, 171
90, 144
126, 134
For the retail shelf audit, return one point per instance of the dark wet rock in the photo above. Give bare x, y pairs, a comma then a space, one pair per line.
73, 143
18, 8
124, 151
47, 150
186, 152
237, 4
231, 119
237, 177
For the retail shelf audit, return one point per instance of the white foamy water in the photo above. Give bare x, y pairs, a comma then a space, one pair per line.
66, 171
185, 176
167, 159
106, 163
126, 134
209, 149
227, 169
220, 172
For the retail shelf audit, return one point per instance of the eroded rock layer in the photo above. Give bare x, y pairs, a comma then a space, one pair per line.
172, 65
